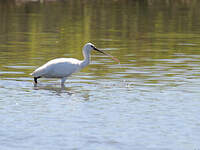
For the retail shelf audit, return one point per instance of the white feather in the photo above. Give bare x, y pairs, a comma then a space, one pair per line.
63, 67
58, 68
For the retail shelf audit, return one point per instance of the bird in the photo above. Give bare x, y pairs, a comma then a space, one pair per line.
64, 67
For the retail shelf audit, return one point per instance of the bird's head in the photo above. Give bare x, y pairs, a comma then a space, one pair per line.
89, 47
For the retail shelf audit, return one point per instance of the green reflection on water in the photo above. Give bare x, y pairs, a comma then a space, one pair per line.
137, 32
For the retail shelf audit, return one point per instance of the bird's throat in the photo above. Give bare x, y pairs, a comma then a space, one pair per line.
85, 62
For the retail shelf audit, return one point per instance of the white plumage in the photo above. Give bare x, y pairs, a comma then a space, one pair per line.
58, 68
64, 67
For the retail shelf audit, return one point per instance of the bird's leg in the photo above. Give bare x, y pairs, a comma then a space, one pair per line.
63, 80
35, 79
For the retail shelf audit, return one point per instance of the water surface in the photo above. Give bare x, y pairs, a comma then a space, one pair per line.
150, 101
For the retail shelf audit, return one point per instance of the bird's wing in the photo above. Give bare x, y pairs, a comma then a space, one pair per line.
40, 71
56, 68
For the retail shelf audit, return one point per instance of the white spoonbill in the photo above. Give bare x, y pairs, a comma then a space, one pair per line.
64, 67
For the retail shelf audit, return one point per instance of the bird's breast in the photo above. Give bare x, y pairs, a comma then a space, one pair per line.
61, 68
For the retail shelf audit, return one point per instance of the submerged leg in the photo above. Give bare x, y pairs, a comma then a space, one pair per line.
35, 79
63, 80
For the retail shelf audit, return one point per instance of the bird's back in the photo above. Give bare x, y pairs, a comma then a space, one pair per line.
58, 68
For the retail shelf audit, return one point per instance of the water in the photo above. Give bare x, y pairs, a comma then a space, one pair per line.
150, 101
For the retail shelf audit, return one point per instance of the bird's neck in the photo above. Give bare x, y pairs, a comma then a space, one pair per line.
86, 60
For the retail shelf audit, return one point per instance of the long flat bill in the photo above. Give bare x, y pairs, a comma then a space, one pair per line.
112, 57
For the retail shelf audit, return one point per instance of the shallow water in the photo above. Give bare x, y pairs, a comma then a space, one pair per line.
149, 101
